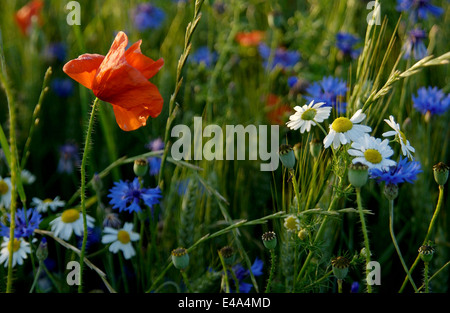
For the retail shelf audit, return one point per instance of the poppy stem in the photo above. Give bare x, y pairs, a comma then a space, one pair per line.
83, 189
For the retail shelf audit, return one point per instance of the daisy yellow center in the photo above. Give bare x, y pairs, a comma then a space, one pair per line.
342, 125
403, 137
48, 200
3, 187
15, 245
373, 156
123, 236
70, 215
309, 114
291, 223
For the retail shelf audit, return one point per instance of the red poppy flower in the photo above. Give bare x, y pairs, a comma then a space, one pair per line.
249, 39
25, 14
276, 111
121, 78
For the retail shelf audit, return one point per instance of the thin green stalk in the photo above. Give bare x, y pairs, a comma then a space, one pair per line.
296, 189
364, 230
36, 277
435, 274
425, 275
321, 128
186, 281
223, 231
35, 120
391, 229
83, 190
236, 280
319, 232
273, 259
339, 281
225, 274
14, 177
430, 228
173, 109
122, 270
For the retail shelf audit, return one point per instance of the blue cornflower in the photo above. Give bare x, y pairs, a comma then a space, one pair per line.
127, 196
68, 158
63, 87
403, 171
25, 225
355, 287
431, 100
155, 162
414, 44
419, 9
55, 52
94, 236
283, 58
242, 273
330, 90
345, 43
204, 56
147, 16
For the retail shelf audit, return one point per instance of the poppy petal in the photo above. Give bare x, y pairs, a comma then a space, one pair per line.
142, 63
135, 117
84, 68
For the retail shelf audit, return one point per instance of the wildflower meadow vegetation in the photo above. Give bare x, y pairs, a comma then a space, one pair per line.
212, 146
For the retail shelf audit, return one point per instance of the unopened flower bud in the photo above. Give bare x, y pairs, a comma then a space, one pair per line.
275, 19
140, 167
302, 234
269, 240
287, 156
228, 255
315, 147
358, 174
426, 252
42, 250
297, 150
440, 172
340, 266
180, 258
391, 191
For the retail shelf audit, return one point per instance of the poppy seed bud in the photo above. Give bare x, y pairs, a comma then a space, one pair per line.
315, 147
358, 174
140, 167
269, 240
297, 150
275, 19
440, 172
426, 252
340, 266
228, 255
287, 156
180, 258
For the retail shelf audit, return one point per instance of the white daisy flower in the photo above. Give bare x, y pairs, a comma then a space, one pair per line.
344, 130
20, 249
308, 115
5, 192
404, 143
44, 205
121, 239
71, 220
372, 152
27, 177
292, 223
